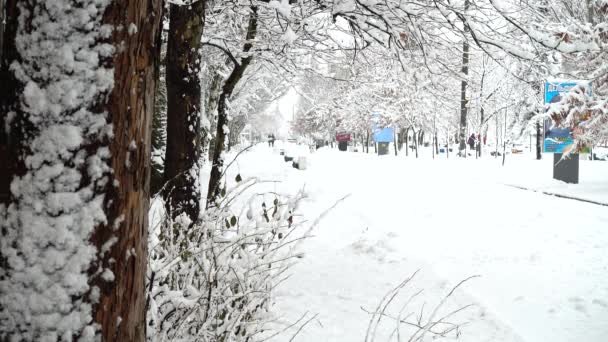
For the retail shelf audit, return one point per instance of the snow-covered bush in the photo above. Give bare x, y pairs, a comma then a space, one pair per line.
409, 324
211, 280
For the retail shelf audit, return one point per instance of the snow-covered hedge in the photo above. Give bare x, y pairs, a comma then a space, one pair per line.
212, 280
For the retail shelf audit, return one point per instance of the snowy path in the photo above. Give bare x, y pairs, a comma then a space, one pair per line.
542, 260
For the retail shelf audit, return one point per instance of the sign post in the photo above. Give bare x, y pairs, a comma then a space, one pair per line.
384, 137
557, 139
343, 138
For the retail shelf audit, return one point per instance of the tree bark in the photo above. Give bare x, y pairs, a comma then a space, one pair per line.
481, 119
114, 171
182, 194
590, 12
414, 138
215, 188
481, 133
463, 89
407, 139
9, 90
539, 141
447, 148
415, 142
436, 142
395, 141
121, 309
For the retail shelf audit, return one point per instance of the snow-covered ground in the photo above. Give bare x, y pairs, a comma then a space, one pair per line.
542, 260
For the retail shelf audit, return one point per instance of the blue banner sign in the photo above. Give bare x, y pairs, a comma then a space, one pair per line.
557, 138
384, 135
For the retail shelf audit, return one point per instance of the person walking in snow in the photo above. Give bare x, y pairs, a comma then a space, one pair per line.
271, 140
471, 141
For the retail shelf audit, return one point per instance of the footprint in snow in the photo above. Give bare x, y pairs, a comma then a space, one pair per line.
580, 308
601, 303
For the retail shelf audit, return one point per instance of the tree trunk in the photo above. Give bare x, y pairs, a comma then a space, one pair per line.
9, 90
481, 133
2, 23
447, 148
497, 141
539, 140
407, 139
395, 141
481, 110
436, 143
87, 259
590, 11
463, 88
182, 194
415, 142
504, 141
367, 142
215, 179
213, 92
414, 138
159, 126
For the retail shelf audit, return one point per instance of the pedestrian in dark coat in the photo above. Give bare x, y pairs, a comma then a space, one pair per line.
471, 141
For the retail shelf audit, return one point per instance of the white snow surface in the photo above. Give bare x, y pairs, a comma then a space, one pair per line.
541, 259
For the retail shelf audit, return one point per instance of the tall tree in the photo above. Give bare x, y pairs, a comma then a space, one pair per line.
186, 23
237, 73
462, 132
74, 234
9, 88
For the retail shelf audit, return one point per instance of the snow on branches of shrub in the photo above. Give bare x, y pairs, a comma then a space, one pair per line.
212, 280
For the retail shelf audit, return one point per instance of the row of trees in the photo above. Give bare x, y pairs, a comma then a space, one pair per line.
485, 76
80, 82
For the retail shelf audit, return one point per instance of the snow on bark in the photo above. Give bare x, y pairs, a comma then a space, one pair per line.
44, 292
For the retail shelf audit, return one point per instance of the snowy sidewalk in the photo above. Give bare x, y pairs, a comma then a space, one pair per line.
542, 260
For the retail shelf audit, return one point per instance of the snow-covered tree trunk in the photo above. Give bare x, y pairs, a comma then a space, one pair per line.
407, 145
74, 234
9, 88
182, 194
539, 140
395, 141
463, 90
215, 188
159, 123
